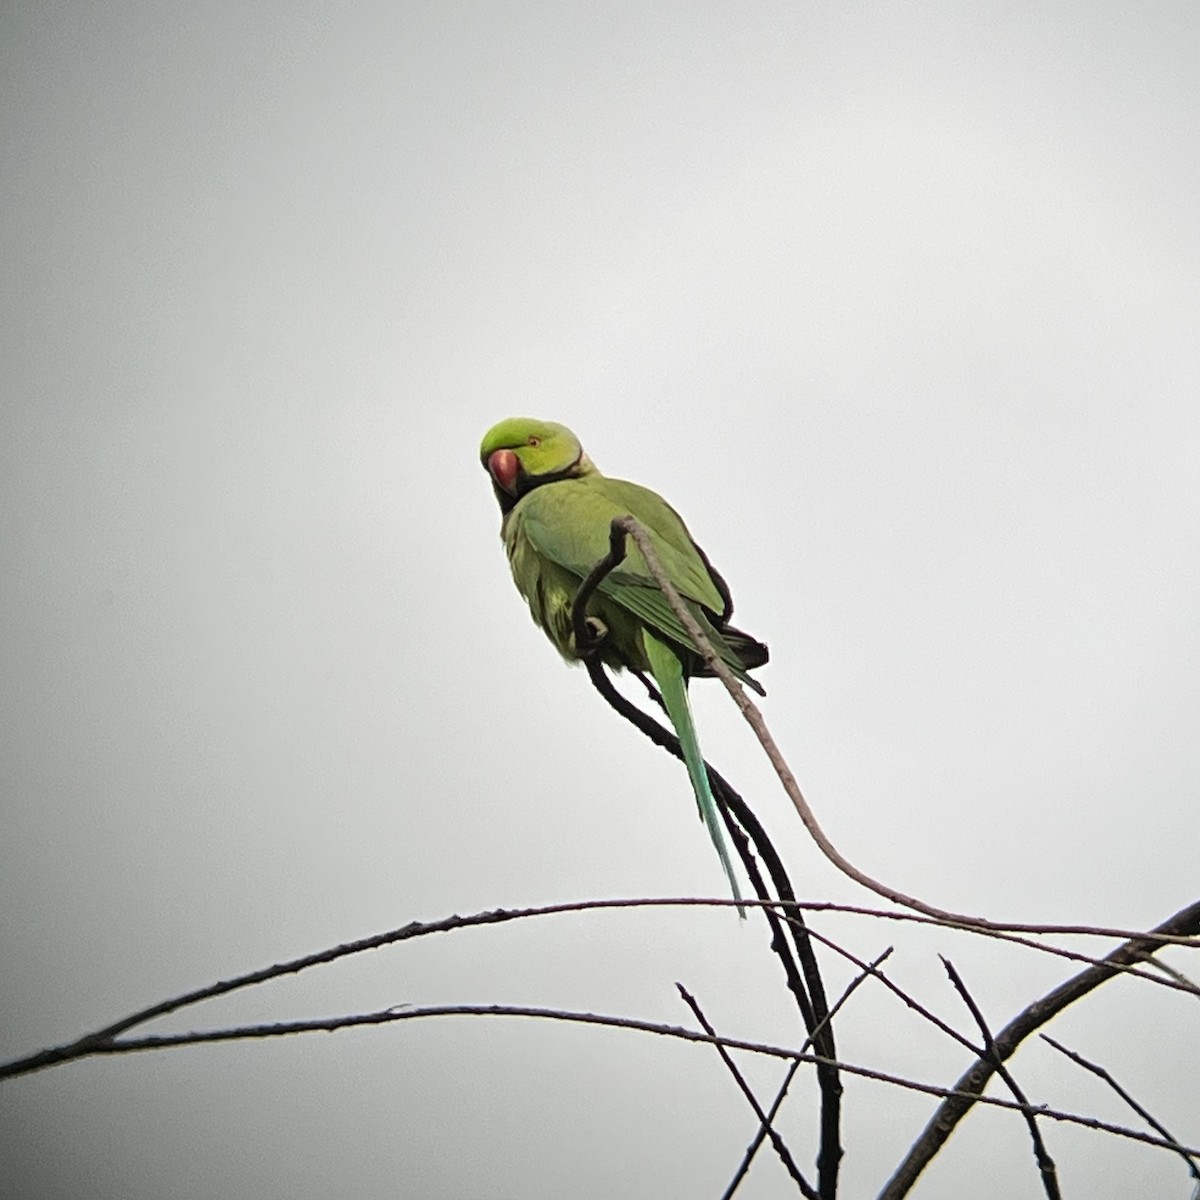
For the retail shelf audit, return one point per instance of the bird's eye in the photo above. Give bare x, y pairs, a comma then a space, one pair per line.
535, 441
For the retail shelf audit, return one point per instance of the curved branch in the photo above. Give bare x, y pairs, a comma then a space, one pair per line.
755, 719
968, 1090
809, 988
390, 1015
92, 1043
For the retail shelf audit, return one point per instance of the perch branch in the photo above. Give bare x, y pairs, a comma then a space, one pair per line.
809, 990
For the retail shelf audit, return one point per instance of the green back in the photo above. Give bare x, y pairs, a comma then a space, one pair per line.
566, 524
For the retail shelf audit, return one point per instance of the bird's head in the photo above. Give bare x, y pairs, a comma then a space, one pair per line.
521, 454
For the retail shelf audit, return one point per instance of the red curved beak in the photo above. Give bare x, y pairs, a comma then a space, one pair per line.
504, 467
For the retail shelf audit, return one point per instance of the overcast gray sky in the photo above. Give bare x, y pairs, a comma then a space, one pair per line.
897, 304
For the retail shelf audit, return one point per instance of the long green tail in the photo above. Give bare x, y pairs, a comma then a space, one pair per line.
668, 674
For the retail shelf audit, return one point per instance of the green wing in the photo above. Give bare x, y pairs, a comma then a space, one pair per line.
567, 524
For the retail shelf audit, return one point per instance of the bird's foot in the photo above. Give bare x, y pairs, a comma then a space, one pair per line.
597, 631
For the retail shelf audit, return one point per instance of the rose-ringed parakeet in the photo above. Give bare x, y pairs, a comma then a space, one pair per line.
557, 511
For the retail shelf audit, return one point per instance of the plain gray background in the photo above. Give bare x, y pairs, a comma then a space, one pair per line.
898, 304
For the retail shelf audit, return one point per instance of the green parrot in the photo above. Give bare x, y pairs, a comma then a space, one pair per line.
557, 511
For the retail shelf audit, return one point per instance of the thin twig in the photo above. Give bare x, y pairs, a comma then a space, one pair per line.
1141, 1111
764, 1121
967, 1091
89, 1043
759, 1137
405, 1013
909, 1000
1171, 973
1046, 1164
1000, 933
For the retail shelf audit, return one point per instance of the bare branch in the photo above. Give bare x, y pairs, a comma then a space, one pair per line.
752, 1149
1142, 1112
911, 1001
92, 1043
1171, 973
760, 1136
764, 1121
970, 1086
1046, 1166
405, 1013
